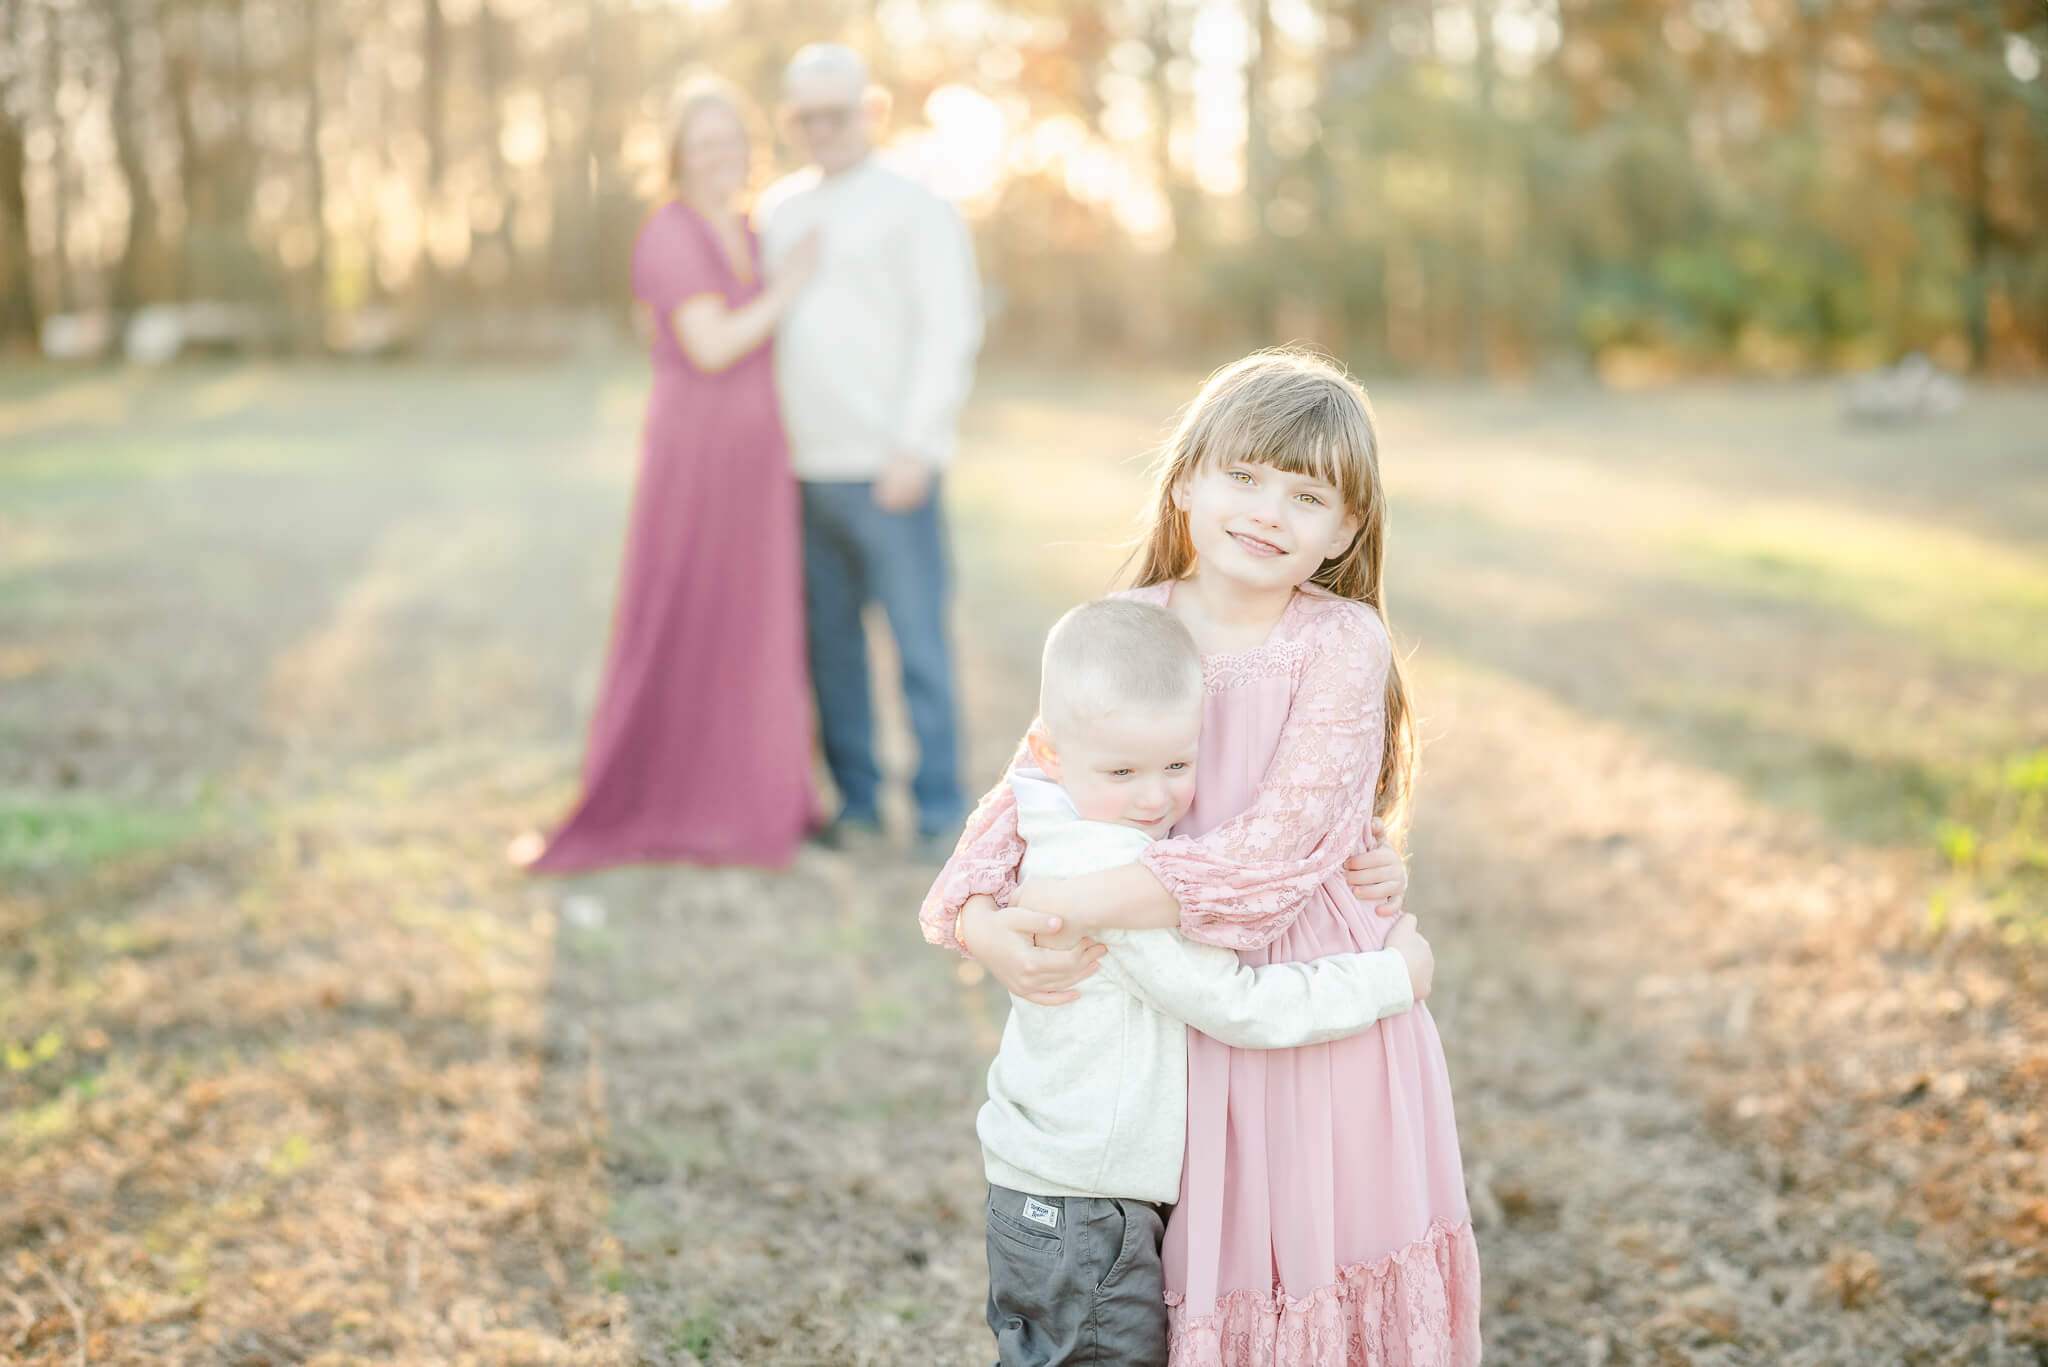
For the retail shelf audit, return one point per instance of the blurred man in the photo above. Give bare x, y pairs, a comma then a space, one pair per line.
872, 365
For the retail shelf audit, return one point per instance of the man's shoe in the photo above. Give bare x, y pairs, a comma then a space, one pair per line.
850, 835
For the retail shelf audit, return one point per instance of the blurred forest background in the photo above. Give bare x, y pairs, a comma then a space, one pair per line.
1484, 188
1733, 832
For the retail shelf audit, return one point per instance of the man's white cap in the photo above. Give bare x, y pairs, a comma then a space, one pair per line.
835, 61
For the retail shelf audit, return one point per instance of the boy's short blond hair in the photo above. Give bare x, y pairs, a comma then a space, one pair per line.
1115, 653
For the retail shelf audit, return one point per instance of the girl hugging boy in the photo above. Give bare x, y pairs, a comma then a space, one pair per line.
1086, 1115
1319, 1218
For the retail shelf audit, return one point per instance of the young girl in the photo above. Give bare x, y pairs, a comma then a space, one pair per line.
1322, 1218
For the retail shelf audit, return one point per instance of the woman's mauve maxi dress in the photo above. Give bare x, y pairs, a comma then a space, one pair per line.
700, 749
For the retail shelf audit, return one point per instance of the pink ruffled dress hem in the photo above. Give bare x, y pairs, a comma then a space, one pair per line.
1416, 1307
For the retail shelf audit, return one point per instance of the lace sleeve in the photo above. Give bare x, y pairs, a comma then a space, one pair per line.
1242, 884
985, 861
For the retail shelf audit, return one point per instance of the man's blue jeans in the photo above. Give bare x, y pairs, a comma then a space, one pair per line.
855, 553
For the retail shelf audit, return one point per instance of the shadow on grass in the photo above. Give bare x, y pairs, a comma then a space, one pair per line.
788, 1083
1864, 722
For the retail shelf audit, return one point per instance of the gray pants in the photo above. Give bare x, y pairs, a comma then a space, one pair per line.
1075, 1279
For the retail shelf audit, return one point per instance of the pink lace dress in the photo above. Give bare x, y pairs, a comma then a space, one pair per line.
1322, 1218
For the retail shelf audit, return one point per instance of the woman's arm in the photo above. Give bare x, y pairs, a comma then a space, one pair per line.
713, 336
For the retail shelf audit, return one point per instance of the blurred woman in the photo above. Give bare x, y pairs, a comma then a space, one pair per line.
700, 748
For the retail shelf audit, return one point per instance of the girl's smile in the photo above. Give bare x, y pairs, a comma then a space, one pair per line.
1263, 525
1257, 545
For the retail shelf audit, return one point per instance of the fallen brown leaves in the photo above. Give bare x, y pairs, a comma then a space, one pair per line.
322, 1130
1882, 1085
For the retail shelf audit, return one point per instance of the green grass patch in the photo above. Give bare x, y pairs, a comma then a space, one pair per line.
1969, 598
49, 1120
884, 1018
1986, 817
20, 1058
119, 466
697, 1335
41, 832
1994, 835
1854, 782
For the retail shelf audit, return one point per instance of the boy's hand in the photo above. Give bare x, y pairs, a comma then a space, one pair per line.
1421, 959
1377, 877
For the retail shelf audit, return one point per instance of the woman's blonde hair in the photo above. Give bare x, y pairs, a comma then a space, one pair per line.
696, 94
1301, 413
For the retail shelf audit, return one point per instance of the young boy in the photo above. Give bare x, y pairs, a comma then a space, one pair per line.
1086, 1118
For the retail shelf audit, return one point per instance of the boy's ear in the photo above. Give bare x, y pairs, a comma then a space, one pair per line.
1043, 754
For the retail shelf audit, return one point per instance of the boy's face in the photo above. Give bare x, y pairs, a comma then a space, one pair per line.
1131, 767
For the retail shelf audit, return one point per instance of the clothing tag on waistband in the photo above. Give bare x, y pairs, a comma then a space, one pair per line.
1041, 1213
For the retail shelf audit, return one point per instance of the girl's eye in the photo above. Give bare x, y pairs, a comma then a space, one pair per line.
1177, 766
1240, 476
1313, 499
1119, 773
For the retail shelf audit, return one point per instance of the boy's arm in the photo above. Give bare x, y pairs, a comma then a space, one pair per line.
1276, 1006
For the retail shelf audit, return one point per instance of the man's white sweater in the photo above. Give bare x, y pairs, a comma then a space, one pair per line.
1090, 1098
876, 354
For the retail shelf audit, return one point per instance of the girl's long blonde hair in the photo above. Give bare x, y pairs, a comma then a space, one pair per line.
1300, 413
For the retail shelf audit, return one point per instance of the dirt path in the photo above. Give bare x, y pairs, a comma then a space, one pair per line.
330, 1083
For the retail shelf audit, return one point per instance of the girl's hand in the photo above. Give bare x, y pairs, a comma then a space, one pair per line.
1405, 938
1047, 897
1001, 940
1377, 875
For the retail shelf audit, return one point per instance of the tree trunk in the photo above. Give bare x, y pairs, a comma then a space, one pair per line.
434, 128
233, 170
434, 95
60, 161
1258, 164
1982, 237
316, 269
588, 203
1183, 203
196, 190
18, 314
494, 36
130, 276
1480, 291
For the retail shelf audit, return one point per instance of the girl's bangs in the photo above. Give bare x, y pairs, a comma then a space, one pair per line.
1317, 443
